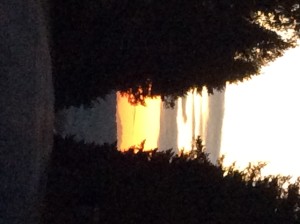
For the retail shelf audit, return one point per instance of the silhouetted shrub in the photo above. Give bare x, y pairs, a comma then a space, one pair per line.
99, 184
174, 45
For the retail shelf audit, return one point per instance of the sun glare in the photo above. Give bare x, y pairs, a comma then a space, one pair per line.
261, 119
262, 122
138, 123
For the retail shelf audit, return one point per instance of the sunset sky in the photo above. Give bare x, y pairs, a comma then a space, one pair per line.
137, 123
261, 119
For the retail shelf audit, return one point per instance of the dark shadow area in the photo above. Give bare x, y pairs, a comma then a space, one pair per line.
216, 107
150, 47
168, 127
98, 184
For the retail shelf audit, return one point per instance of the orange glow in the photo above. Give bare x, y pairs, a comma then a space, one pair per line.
261, 119
138, 123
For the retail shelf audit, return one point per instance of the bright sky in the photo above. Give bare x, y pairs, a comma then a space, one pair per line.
192, 118
261, 119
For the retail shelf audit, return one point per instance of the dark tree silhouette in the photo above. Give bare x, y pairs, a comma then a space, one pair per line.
89, 182
173, 45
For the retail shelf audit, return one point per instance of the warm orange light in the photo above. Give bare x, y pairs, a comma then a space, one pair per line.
261, 119
138, 123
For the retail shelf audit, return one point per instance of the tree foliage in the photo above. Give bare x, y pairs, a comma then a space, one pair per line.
98, 182
173, 45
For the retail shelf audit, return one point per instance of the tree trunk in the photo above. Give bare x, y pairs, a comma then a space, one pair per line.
26, 110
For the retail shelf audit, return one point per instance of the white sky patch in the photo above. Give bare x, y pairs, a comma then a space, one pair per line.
262, 118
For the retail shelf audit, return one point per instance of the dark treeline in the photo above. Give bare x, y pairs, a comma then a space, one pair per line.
98, 184
103, 45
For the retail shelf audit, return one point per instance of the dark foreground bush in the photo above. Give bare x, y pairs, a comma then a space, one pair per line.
98, 184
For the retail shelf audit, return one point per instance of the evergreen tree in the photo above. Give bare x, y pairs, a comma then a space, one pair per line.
87, 181
152, 47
